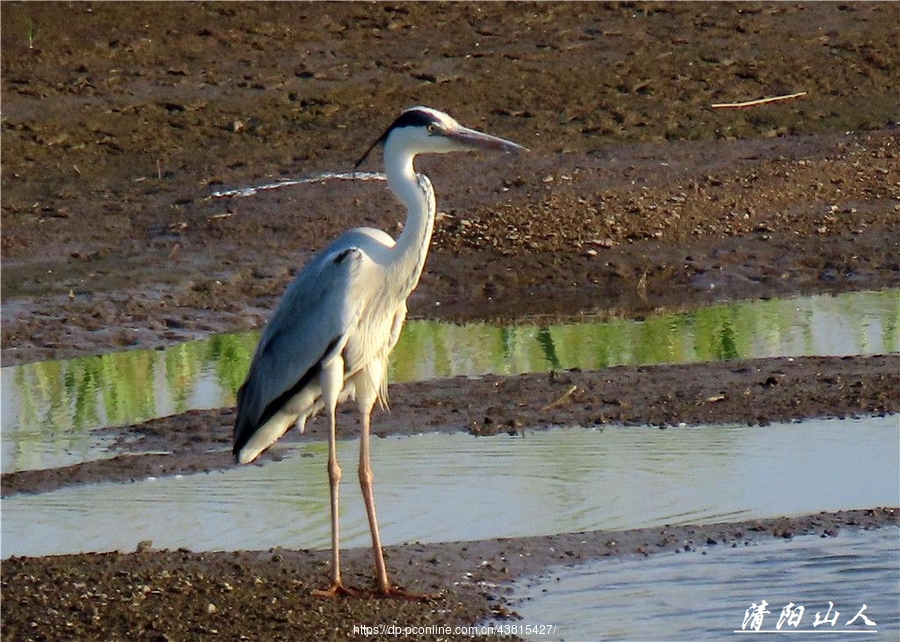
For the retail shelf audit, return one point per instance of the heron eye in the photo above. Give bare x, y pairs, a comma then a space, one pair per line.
431, 128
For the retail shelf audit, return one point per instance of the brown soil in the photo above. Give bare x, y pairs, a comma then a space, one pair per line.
119, 122
265, 595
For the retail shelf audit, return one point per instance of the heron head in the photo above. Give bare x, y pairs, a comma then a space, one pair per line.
422, 130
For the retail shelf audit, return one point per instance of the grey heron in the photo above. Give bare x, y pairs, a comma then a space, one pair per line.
331, 334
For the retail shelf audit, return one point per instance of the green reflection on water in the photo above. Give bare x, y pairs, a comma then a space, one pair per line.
62, 399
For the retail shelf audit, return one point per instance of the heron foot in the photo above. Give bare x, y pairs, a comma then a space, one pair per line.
394, 592
397, 592
337, 590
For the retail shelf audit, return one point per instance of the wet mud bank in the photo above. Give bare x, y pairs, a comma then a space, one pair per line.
175, 595
118, 126
660, 227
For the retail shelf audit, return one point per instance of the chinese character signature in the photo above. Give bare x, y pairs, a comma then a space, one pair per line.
792, 614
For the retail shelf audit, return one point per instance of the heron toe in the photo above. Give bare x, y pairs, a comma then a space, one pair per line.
337, 590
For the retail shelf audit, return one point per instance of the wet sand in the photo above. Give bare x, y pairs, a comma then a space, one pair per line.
120, 121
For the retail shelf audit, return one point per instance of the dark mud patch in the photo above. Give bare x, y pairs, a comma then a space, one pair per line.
622, 234
119, 123
749, 391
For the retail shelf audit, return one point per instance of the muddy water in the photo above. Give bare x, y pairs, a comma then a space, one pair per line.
639, 599
447, 487
50, 408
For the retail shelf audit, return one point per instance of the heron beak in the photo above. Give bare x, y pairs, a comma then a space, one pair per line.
472, 139
368, 151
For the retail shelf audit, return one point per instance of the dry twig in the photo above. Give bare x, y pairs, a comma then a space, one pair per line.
759, 101
555, 404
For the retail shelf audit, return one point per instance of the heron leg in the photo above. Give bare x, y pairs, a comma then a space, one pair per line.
366, 395
365, 482
332, 382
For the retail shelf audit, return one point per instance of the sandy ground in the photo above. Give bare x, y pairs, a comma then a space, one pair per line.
120, 122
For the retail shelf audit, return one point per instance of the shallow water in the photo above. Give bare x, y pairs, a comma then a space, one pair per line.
448, 487
50, 409
647, 599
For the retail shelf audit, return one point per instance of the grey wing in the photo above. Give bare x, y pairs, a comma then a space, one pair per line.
311, 323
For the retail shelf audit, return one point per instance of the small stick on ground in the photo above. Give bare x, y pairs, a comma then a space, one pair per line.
555, 404
759, 101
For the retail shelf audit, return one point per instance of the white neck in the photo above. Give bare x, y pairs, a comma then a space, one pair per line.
416, 193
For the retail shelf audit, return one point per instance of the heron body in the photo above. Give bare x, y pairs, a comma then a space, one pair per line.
333, 330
